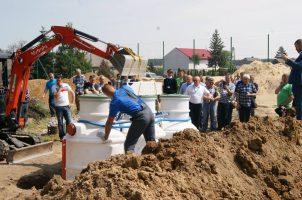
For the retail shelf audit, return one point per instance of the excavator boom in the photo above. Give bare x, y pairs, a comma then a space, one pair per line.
14, 102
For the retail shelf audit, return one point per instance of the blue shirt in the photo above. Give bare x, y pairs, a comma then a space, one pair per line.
49, 85
183, 87
295, 76
122, 102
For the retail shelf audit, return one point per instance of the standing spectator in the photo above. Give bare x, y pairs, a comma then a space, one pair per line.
225, 106
60, 91
202, 81
170, 84
51, 99
118, 81
91, 87
184, 86
101, 83
295, 78
112, 81
196, 93
180, 78
244, 93
254, 104
284, 96
239, 80
210, 106
79, 81
125, 80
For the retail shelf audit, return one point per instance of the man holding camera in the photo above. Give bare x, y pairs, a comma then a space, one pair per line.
225, 105
295, 78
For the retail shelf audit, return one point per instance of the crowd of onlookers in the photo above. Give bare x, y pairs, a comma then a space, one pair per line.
212, 103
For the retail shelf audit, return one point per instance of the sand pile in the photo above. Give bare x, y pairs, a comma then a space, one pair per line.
267, 75
258, 160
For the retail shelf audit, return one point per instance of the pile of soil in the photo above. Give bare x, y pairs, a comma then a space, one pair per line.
267, 75
257, 160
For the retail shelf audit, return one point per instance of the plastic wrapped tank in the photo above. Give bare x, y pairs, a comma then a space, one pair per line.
176, 109
86, 147
150, 100
94, 107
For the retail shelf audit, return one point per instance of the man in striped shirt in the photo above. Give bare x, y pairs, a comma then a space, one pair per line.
245, 91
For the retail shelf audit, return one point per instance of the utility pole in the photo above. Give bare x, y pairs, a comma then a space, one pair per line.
231, 48
137, 48
164, 55
268, 46
194, 54
231, 59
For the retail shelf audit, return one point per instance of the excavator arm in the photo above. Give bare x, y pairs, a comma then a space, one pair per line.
19, 147
26, 56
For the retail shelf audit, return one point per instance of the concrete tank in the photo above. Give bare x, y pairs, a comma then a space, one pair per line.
86, 147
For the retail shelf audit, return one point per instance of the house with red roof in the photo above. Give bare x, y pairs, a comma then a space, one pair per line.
181, 58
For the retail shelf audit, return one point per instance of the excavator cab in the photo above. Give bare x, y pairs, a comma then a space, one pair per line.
4, 69
15, 147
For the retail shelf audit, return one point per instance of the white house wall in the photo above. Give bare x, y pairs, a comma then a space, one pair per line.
203, 64
175, 59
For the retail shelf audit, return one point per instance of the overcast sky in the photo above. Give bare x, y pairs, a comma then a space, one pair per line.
150, 22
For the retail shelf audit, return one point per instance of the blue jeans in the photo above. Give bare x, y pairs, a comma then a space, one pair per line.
209, 110
297, 91
63, 112
51, 102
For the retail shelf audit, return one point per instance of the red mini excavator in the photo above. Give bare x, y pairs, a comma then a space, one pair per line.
16, 147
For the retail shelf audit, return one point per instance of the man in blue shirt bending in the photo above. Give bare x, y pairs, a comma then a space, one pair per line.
125, 101
295, 78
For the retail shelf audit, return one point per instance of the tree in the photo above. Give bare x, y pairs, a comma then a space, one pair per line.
195, 59
280, 52
105, 68
68, 59
216, 49
45, 64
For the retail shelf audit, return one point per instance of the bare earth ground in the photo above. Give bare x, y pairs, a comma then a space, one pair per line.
34, 172
38, 171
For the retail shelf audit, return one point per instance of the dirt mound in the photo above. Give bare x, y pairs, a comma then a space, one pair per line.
267, 75
257, 160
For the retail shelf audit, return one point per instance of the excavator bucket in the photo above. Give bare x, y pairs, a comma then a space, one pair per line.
16, 148
29, 152
128, 63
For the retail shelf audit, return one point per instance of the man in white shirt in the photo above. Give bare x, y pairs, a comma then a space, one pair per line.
61, 91
196, 92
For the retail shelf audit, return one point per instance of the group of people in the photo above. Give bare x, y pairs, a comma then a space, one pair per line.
215, 100
58, 93
58, 99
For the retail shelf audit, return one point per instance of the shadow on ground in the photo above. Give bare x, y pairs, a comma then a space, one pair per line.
39, 178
